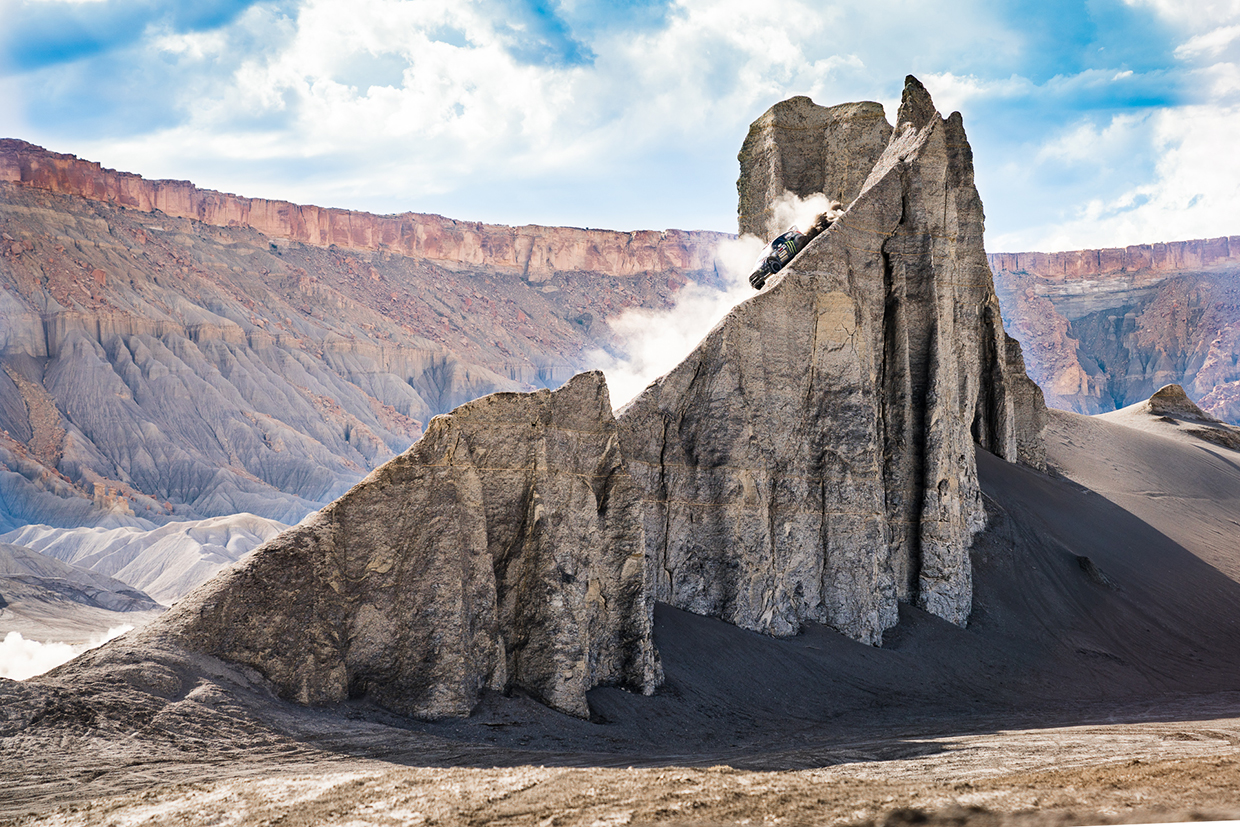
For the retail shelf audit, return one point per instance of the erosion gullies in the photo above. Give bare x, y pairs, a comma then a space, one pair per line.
165, 561
157, 366
1104, 329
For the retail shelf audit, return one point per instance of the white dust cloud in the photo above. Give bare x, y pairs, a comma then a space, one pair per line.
652, 342
789, 211
21, 658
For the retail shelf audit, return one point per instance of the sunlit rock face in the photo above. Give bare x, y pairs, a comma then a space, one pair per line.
813, 459
502, 551
800, 147
1104, 329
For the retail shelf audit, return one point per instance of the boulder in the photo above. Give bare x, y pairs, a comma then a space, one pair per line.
503, 550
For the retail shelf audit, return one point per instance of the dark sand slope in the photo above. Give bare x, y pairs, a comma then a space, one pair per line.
1085, 613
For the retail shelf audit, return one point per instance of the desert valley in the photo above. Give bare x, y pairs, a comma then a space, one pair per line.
915, 534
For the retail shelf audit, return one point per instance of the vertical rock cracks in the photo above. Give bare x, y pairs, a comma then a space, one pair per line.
811, 461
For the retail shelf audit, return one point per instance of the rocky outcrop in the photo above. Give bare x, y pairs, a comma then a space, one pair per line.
503, 550
1103, 329
813, 460
1172, 401
537, 252
800, 147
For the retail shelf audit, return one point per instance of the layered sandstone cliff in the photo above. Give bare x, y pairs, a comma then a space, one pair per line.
538, 252
1104, 329
155, 367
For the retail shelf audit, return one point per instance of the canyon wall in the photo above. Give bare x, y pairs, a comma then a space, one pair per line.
157, 367
535, 251
1104, 329
1142, 261
813, 458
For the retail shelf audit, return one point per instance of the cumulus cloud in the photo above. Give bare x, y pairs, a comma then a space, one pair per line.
619, 115
21, 659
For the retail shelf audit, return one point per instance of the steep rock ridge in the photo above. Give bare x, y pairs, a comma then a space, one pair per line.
813, 458
800, 147
504, 549
1104, 329
538, 252
156, 368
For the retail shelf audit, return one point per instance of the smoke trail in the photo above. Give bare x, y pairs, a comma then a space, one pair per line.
652, 342
21, 658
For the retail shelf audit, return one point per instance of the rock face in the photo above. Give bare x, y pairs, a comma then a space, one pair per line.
503, 550
537, 252
813, 458
1103, 329
802, 148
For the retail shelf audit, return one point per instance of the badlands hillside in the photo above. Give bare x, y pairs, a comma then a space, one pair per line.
1104, 329
840, 565
171, 353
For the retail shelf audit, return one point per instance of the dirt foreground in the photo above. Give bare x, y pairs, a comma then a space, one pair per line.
1097, 774
1185, 773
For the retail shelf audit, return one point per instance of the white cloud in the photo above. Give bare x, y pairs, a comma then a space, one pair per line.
1194, 191
21, 659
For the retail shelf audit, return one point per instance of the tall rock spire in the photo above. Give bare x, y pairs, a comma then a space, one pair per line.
813, 460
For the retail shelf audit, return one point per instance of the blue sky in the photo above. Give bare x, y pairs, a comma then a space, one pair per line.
1093, 123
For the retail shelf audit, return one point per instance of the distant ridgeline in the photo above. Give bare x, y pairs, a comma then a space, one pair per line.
1103, 329
171, 352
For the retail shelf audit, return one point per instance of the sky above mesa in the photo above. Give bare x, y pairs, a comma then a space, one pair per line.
1097, 123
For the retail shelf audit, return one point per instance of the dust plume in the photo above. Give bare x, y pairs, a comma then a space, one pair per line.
21, 658
652, 342
789, 210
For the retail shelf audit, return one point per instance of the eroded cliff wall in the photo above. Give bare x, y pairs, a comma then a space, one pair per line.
535, 251
1104, 329
160, 367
